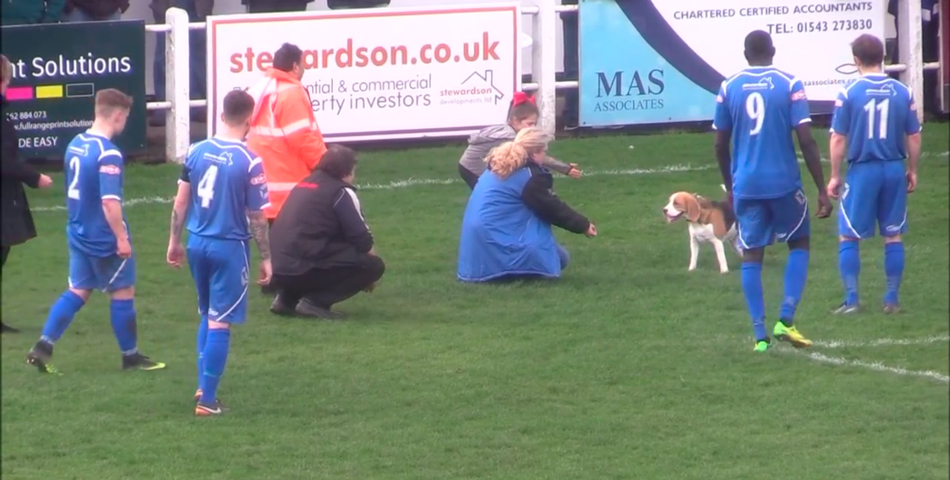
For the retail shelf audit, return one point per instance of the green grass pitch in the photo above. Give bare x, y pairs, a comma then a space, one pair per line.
629, 367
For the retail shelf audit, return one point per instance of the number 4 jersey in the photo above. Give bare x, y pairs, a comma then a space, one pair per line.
94, 169
761, 106
876, 113
227, 181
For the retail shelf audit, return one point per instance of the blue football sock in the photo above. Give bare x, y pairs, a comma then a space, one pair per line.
215, 358
849, 262
60, 316
752, 287
796, 272
894, 269
123, 324
202, 340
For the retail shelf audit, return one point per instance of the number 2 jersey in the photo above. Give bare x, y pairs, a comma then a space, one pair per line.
761, 106
227, 181
94, 169
876, 113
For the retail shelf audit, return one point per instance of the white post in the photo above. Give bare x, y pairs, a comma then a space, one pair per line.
544, 63
910, 45
177, 86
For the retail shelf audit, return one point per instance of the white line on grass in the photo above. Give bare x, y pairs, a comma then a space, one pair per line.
413, 182
876, 366
881, 342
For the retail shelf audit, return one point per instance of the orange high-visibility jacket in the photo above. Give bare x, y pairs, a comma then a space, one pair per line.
284, 133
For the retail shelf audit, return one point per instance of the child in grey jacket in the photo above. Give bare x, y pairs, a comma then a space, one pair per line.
522, 114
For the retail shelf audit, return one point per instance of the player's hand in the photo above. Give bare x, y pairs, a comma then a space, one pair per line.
176, 253
911, 181
574, 172
45, 181
824, 205
371, 287
834, 184
266, 273
591, 231
123, 248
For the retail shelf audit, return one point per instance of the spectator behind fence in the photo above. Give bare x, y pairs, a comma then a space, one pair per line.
353, 4
267, 6
94, 10
506, 230
29, 12
17, 222
284, 132
198, 11
322, 248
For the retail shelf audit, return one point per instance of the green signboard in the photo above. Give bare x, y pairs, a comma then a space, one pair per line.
57, 70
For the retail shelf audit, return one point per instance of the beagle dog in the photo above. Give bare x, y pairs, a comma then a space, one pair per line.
709, 221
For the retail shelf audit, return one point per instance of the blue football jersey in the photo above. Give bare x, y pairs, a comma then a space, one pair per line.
876, 113
761, 106
227, 181
94, 168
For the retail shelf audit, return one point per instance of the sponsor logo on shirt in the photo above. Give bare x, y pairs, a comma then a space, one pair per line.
839, 102
799, 95
259, 180
110, 170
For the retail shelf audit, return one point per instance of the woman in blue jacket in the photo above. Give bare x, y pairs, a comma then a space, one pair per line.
506, 231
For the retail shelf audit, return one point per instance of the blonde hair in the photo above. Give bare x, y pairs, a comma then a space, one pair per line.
7, 68
504, 159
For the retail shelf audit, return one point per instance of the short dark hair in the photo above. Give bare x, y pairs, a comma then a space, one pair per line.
286, 56
109, 100
338, 162
238, 106
868, 49
758, 46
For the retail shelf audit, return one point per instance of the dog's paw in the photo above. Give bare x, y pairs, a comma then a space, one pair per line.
691, 268
723, 271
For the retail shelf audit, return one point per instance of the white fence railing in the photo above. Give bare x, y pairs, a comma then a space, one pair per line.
178, 101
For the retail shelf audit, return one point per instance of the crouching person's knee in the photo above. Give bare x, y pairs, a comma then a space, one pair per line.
376, 267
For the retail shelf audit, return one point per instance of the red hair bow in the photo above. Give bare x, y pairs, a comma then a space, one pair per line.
521, 97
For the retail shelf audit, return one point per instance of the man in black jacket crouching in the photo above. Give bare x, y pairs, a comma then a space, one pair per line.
322, 250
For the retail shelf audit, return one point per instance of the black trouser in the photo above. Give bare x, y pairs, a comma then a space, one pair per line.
468, 176
326, 287
268, 6
6, 251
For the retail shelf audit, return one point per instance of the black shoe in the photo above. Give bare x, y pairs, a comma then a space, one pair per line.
137, 361
307, 308
279, 307
8, 329
40, 356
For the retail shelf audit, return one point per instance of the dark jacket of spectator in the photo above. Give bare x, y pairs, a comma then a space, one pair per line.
17, 222
203, 8
98, 9
343, 4
320, 227
29, 12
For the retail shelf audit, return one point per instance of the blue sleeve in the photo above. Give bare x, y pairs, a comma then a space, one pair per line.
799, 104
841, 120
256, 195
912, 125
110, 175
722, 120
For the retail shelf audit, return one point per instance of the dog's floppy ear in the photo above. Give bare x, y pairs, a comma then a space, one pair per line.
692, 208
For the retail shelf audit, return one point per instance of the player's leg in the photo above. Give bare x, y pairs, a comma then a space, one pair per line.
117, 276
200, 269
755, 233
4, 251
791, 225
227, 305
856, 219
82, 280
892, 218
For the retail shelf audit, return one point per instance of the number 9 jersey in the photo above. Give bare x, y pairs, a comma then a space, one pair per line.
761, 106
